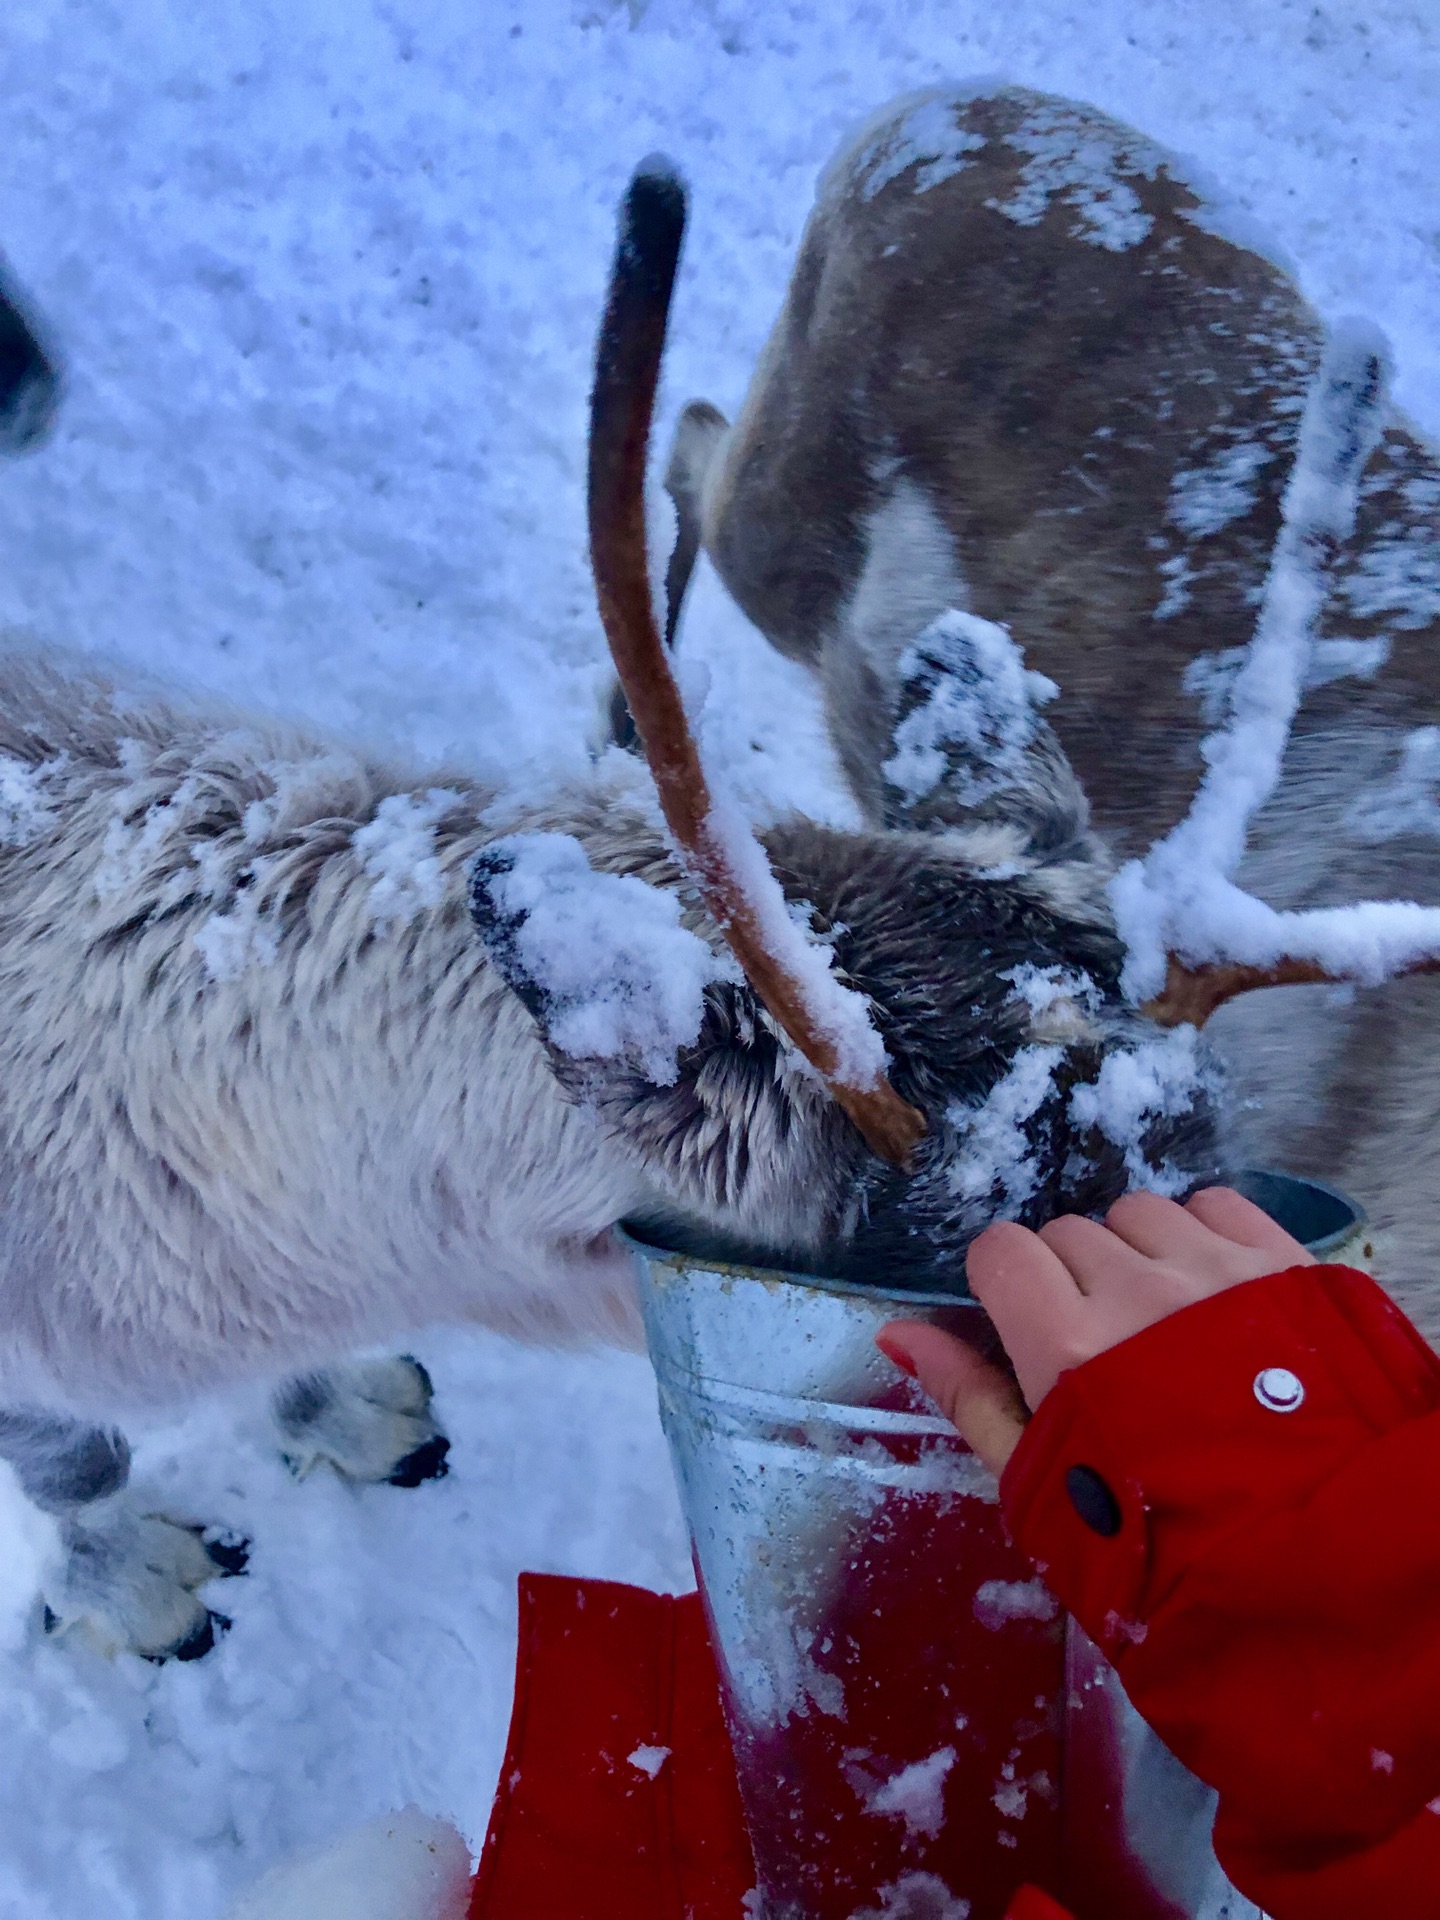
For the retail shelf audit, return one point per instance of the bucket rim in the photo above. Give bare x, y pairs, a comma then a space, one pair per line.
679, 1257
1326, 1242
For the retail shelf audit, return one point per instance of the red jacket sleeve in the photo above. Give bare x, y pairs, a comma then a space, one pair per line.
1241, 1505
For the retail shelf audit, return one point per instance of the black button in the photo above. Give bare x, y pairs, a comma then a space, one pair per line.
1093, 1501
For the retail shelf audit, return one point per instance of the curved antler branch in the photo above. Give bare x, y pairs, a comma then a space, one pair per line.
1192, 994
828, 1024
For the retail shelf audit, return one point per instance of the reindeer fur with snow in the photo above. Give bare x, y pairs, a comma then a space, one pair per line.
266, 1095
1028, 367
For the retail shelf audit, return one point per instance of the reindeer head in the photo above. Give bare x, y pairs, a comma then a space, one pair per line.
925, 1030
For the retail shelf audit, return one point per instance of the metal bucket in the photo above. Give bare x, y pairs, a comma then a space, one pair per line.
915, 1730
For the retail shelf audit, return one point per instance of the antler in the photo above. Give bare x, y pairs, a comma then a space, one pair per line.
829, 1024
1182, 896
1192, 994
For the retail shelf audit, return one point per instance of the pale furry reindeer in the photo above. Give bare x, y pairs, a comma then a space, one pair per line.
1027, 367
266, 1096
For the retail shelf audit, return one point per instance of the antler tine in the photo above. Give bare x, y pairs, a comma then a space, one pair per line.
632, 339
1191, 994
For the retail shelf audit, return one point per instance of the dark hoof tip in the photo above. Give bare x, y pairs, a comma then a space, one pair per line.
230, 1552
202, 1640
52, 1620
422, 1370
425, 1463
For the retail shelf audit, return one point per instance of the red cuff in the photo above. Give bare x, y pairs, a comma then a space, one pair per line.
1176, 1425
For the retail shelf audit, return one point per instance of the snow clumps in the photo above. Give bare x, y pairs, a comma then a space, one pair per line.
397, 849
916, 1795
24, 809
971, 711
998, 1602
617, 972
1135, 1087
1003, 1142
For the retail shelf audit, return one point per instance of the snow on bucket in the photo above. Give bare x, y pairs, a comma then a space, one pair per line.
917, 1730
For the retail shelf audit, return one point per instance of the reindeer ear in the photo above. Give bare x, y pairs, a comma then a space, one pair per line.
618, 986
969, 744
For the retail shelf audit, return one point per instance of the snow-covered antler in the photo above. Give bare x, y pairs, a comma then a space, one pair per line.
1196, 939
827, 1022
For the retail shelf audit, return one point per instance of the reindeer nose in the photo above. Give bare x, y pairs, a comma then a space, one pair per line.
427, 1462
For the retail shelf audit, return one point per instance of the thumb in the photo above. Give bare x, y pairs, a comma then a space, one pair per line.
980, 1401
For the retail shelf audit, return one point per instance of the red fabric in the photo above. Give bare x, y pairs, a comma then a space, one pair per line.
1031, 1904
1271, 1600
581, 1832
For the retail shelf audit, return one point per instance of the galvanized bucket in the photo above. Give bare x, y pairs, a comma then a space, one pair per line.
917, 1731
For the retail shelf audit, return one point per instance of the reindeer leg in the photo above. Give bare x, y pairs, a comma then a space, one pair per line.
370, 1420
129, 1578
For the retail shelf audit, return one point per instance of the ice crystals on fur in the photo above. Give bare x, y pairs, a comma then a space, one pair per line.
1136, 1086
24, 808
836, 1012
972, 690
397, 848
997, 1155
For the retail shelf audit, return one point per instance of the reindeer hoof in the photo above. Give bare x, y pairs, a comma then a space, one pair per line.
427, 1462
197, 1644
369, 1420
130, 1580
229, 1551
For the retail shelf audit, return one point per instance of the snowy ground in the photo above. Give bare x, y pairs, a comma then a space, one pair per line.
327, 278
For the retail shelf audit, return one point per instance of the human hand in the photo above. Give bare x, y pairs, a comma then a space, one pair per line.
1060, 1296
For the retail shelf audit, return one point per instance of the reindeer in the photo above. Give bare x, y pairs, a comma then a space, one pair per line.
301, 1051
1030, 368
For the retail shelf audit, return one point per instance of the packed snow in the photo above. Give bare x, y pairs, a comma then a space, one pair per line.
327, 283
401, 1866
29, 1552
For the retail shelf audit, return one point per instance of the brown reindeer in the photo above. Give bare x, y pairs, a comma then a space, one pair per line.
1028, 368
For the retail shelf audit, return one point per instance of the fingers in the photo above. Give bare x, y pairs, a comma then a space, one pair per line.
1161, 1229
1226, 1212
981, 1403
1007, 1263
1092, 1254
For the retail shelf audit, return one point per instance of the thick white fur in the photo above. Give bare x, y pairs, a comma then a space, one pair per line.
355, 1134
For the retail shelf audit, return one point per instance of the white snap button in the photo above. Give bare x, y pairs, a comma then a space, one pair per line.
1279, 1389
